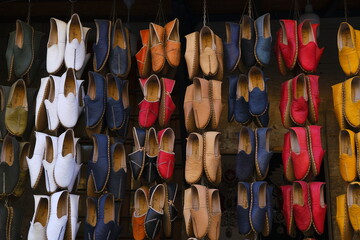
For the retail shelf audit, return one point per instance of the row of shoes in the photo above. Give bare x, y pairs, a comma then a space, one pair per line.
152, 152
253, 153
202, 212
154, 210
349, 155
300, 100
304, 207
254, 208
202, 104
157, 103
10, 222
302, 152
248, 98
55, 217
297, 43
161, 48
248, 43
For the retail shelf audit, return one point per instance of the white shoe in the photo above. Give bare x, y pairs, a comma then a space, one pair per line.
50, 157
37, 230
40, 110
35, 163
73, 216
58, 215
87, 56
55, 46
78, 164
75, 46
51, 103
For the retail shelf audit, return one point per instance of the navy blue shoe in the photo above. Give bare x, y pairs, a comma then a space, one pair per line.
241, 111
151, 153
137, 158
123, 131
118, 172
155, 213
102, 46
246, 154
91, 218
232, 51
118, 227
105, 227
95, 100
258, 97
170, 210
233, 79
243, 208
263, 39
258, 207
263, 153
269, 212
247, 41
262, 121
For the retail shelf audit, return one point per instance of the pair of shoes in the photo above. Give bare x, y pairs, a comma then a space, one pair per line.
248, 98
348, 42
254, 208
348, 155
151, 107
302, 152
203, 153
353, 204
10, 222
300, 100
202, 104
253, 153
297, 43
342, 218
202, 212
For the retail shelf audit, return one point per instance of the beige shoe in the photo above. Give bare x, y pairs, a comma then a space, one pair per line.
201, 103
199, 210
342, 218
215, 214
216, 104
186, 212
192, 54
220, 57
208, 59
194, 158
188, 109
212, 157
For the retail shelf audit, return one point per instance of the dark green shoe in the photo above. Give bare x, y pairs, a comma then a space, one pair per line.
10, 56
14, 224
4, 218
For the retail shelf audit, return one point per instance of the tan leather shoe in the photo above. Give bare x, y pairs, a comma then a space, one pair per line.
188, 109
141, 206
186, 212
192, 54
215, 101
215, 214
208, 59
157, 36
201, 103
172, 43
220, 57
194, 158
212, 157
353, 203
199, 210
342, 218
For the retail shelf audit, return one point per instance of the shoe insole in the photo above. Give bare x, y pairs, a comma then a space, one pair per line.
68, 145
24, 153
49, 151
294, 142
346, 40
125, 95
301, 88
242, 89
109, 213
153, 148
355, 89
246, 29
217, 146
174, 33
307, 33
206, 40
70, 84
18, 98
62, 206
19, 35
298, 194
256, 80
91, 212
42, 212
194, 146
262, 196
167, 142
75, 30
322, 195
119, 38
112, 90
119, 158
228, 33
354, 194
284, 38
152, 91
345, 144
266, 30
7, 154
215, 203
158, 199
53, 37
267, 144
141, 204
197, 90
244, 142
51, 95
242, 197
91, 89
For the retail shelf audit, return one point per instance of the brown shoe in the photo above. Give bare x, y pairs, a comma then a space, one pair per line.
188, 109
201, 103
186, 212
157, 35
172, 43
212, 157
208, 60
215, 214
215, 90
199, 210
141, 206
192, 54
194, 158
220, 58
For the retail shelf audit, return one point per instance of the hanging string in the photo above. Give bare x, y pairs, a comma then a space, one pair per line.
113, 14
204, 13
28, 13
160, 16
250, 9
345, 10
72, 6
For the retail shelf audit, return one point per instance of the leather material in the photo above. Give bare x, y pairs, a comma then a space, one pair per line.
270, 210
212, 156
241, 112
35, 162
247, 41
353, 205
262, 48
141, 206
55, 49
58, 215
342, 218
314, 98
167, 105
288, 44
286, 159
192, 53
262, 121
138, 227
137, 158
201, 103
246, 154
301, 205
258, 207
287, 209
199, 210
220, 58
172, 43
352, 101
157, 50
154, 216
101, 47
258, 97
188, 109
285, 103
215, 102
318, 206
170, 210
214, 214
280, 59
150, 172
50, 158
347, 155
243, 208
299, 107
186, 212
9, 165
91, 218
105, 227
166, 159
208, 59
316, 150
347, 49
143, 55
263, 153
118, 171
4, 95
232, 51
51, 103
194, 158
300, 155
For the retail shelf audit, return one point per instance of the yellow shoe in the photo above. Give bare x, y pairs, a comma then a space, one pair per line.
342, 218
348, 56
353, 202
347, 156
337, 90
357, 42
352, 101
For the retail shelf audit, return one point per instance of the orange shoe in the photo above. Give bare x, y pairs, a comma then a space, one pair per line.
172, 43
157, 35
143, 55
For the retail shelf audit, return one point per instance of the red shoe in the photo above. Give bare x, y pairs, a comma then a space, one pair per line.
285, 103
281, 62
318, 206
288, 42
167, 106
149, 106
299, 152
316, 150
288, 210
166, 159
286, 159
314, 98
299, 104
301, 207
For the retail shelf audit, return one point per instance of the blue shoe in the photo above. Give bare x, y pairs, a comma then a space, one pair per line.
258, 207
102, 46
262, 121
269, 212
155, 213
241, 111
117, 179
243, 208
137, 158
233, 79
263, 153
95, 100
106, 226
246, 154
232, 46
247, 41
91, 218
263, 39
258, 97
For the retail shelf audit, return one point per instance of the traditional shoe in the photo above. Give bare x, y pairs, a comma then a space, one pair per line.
91, 218
280, 60
241, 111
247, 41
150, 105
288, 44
9, 165
87, 55
262, 153
24, 169
9, 54
188, 109
262, 121
157, 38
166, 159
243, 208
167, 106
120, 58
212, 157
105, 227
232, 50
155, 212
37, 230
4, 95
40, 110
215, 102
318, 206
347, 155
172, 43
301, 205
270, 210
201, 102
58, 215
4, 219
299, 108
102, 45
342, 218
15, 223
258, 98
137, 158
348, 55
76, 176
122, 131
187, 213
95, 100
55, 46
246, 154
143, 55
170, 211
287, 209
214, 214
75, 45
117, 179
192, 54
262, 49
286, 159
73, 224
314, 98
208, 60
141, 207
352, 101
285, 103
258, 207
194, 158
220, 58
199, 210
233, 80
50, 157
51, 103
16, 115
152, 150
300, 156
316, 150
353, 204
338, 95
